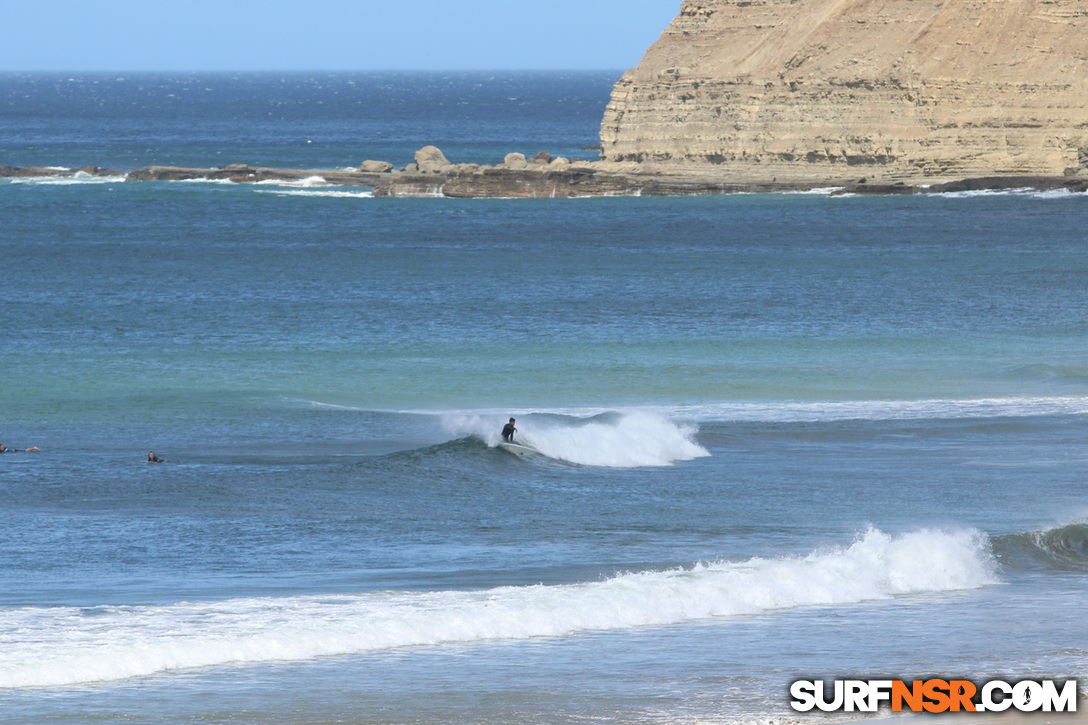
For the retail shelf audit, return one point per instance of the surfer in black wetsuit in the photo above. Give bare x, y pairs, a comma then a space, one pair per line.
508, 431
152, 458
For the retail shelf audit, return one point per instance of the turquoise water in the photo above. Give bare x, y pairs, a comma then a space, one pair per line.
782, 436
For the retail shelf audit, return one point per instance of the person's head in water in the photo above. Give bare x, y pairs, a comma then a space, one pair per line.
512, 421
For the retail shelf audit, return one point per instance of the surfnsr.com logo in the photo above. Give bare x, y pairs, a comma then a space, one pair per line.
934, 695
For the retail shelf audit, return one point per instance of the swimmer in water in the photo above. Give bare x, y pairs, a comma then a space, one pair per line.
5, 449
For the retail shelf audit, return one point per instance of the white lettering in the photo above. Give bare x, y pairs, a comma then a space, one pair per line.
1027, 696
988, 701
821, 700
1064, 701
879, 691
856, 695
804, 695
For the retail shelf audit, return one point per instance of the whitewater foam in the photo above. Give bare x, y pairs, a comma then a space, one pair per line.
815, 411
307, 183
80, 177
618, 440
326, 193
205, 180
1029, 192
820, 191
49, 647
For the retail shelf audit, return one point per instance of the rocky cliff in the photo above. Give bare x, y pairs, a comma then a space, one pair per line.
891, 90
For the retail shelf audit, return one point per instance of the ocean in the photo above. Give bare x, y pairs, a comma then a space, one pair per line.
781, 437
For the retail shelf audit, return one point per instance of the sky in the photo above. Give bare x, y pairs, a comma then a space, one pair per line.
253, 35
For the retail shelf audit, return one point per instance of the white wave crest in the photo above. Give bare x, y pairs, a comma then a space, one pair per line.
619, 440
812, 411
80, 177
327, 193
821, 191
1062, 193
204, 180
59, 646
308, 183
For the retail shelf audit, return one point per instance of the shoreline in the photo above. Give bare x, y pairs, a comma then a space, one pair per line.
582, 179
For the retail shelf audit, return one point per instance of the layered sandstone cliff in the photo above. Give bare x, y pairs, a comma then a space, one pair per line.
910, 90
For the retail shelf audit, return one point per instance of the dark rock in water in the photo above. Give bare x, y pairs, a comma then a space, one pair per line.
566, 181
997, 183
558, 179
242, 174
30, 172
14, 172
173, 173
863, 187
515, 183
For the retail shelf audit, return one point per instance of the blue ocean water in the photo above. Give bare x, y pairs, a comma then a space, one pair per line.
781, 436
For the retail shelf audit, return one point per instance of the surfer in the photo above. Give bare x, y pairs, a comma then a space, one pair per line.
508, 431
152, 458
5, 449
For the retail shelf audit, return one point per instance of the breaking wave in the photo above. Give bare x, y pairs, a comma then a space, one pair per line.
60, 646
619, 440
1059, 548
310, 182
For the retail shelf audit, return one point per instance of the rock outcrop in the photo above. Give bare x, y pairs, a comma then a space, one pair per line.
370, 166
515, 161
31, 172
891, 90
558, 178
244, 174
431, 160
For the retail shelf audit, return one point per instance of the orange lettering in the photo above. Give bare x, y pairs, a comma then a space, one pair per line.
934, 691
961, 692
912, 695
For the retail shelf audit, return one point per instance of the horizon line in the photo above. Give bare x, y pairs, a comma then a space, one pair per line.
145, 71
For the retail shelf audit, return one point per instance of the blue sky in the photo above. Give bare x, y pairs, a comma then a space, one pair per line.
161, 35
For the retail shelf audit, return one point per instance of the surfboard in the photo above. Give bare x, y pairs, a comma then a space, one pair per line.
518, 450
